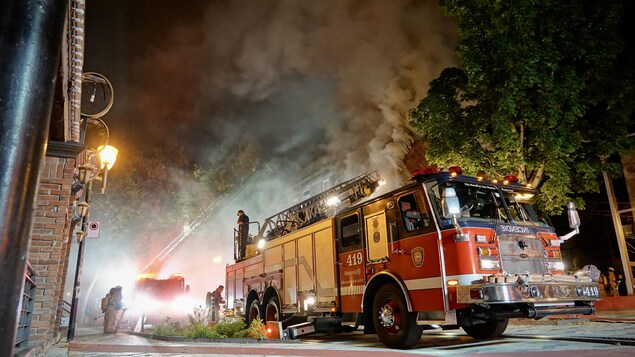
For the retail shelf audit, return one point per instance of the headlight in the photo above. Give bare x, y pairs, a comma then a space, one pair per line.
489, 263
556, 265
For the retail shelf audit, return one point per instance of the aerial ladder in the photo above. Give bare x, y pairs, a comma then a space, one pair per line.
187, 231
319, 206
191, 228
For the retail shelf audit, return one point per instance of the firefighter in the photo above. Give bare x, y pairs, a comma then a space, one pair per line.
243, 232
112, 308
216, 301
613, 283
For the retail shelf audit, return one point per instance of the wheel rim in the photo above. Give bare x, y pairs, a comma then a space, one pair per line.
254, 312
390, 316
272, 312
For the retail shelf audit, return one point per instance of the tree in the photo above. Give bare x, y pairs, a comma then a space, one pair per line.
545, 91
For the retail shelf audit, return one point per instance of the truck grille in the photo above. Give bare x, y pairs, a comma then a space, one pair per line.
521, 254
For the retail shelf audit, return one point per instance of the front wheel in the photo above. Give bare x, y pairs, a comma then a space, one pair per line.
490, 329
395, 325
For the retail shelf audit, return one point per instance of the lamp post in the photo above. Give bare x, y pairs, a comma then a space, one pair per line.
107, 158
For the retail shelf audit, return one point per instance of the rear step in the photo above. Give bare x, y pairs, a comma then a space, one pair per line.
304, 328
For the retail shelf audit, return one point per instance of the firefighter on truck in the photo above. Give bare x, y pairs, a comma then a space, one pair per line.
446, 250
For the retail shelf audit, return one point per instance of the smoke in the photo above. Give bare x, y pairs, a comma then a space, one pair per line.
299, 79
289, 82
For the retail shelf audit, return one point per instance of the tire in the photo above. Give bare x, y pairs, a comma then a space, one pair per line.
272, 310
254, 312
396, 327
490, 329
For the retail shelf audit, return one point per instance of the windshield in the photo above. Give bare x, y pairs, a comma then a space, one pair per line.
484, 202
477, 201
521, 207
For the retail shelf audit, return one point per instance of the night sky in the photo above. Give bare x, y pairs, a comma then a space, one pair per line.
298, 80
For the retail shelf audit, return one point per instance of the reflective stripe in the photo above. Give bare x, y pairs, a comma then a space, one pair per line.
352, 290
435, 283
425, 283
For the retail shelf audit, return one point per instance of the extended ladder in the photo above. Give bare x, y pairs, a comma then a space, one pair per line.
316, 208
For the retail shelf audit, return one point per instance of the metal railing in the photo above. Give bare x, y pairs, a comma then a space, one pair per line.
26, 308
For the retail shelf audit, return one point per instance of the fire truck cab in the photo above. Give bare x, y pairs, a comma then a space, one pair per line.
446, 251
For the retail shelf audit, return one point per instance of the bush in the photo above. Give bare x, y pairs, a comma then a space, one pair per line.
230, 327
197, 326
170, 328
255, 330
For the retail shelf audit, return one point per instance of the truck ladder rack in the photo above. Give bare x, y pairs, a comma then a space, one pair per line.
316, 208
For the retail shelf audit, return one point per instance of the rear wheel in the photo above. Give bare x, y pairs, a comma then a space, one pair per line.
272, 310
490, 329
254, 312
394, 324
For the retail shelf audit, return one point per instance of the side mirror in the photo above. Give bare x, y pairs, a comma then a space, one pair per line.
450, 203
574, 222
574, 218
452, 209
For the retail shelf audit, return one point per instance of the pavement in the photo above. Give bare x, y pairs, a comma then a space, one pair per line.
91, 342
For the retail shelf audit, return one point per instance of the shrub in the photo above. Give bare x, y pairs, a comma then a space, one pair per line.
170, 328
229, 327
255, 330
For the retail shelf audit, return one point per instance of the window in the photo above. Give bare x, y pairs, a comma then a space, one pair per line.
413, 212
306, 193
350, 236
326, 184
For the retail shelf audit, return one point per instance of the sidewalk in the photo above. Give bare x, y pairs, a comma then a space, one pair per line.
607, 321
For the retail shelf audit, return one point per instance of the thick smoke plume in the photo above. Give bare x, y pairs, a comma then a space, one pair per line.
293, 81
301, 79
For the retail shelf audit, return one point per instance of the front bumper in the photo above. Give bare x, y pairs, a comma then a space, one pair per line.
538, 293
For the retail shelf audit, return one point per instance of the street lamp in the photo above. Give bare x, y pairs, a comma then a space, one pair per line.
87, 173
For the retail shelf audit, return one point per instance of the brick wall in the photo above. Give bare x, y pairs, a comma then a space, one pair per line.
50, 247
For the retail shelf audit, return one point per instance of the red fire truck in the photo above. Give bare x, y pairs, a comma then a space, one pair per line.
446, 251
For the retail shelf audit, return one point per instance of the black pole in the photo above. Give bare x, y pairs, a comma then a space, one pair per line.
31, 40
72, 321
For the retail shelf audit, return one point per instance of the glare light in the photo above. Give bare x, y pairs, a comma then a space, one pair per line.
333, 201
524, 196
107, 156
261, 243
453, 282
381, 182
310, 300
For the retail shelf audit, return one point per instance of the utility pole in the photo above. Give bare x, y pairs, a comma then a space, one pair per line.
31, 41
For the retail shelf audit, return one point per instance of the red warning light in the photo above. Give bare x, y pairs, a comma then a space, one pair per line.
455, 170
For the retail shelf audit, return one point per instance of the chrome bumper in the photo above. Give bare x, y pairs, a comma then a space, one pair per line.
538, 293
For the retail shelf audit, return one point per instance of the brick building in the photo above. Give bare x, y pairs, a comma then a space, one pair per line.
53, 224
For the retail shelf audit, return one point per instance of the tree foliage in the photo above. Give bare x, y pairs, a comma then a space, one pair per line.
545, 91
152, 194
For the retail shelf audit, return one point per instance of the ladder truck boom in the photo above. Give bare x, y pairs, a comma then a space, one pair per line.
317, 207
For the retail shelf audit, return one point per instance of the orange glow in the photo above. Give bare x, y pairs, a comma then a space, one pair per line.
146, 276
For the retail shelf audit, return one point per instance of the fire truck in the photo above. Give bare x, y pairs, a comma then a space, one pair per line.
445, 251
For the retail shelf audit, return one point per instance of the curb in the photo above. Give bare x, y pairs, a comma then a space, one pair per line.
213, 340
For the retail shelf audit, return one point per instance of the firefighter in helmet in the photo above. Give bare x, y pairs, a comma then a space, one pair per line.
216, 301
113, 305
243, 232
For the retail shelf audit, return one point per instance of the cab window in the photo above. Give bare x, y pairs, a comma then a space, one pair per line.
413, 212
350, 237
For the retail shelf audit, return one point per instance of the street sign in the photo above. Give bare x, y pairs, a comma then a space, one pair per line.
93, 230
